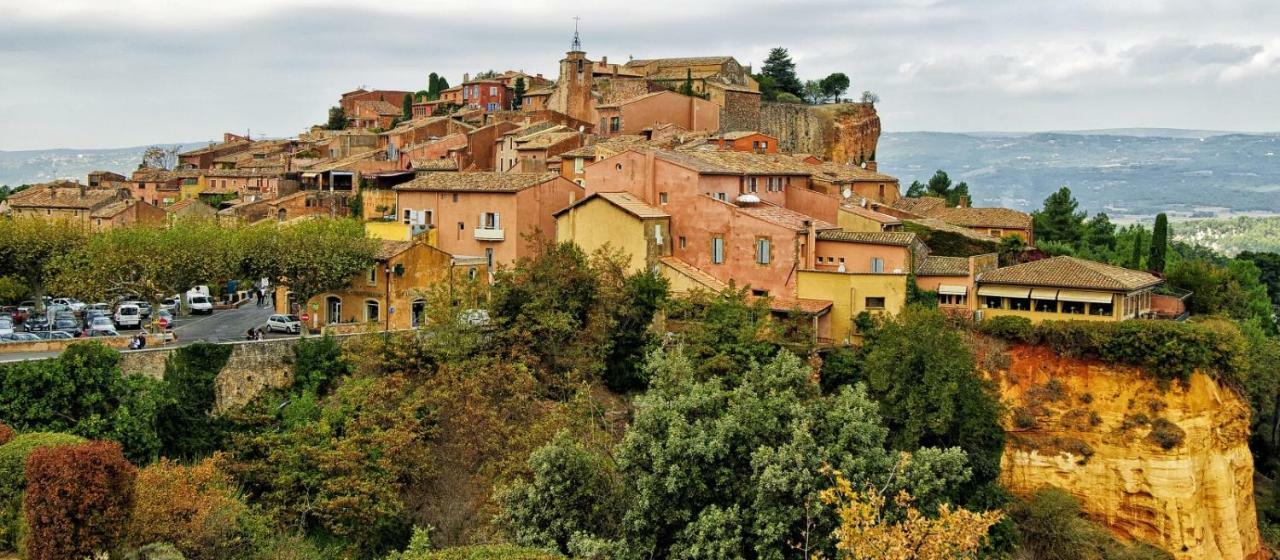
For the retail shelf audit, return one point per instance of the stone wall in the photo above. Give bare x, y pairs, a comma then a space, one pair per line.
741, 111
841, 133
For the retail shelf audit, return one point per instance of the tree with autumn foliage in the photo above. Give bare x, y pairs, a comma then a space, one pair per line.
195, 508
78, 500
873, 529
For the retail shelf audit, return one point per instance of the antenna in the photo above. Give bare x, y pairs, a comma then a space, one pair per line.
577, 43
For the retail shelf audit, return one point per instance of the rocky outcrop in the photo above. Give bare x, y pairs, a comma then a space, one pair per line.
1170, 466
843, 133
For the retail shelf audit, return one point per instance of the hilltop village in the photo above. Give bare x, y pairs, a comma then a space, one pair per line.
677, 162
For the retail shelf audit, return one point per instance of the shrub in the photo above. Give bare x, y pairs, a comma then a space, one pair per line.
13, 480
195, 508
1051, 527
78, 499
1166, 434
1024, 419
155, 551
6, 433
317, 363
1008, 327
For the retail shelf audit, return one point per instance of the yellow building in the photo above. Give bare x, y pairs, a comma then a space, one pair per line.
852, 293
1068, 288
620, 220
853, 217
392, 294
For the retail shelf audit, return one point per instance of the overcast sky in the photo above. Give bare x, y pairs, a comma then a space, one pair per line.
114, 73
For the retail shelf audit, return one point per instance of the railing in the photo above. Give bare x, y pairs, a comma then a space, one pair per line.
486, 234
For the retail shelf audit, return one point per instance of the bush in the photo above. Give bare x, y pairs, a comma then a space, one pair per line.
6, 433
1166, 434
78, 500
155, 551
13, 480
1051, 527
1024, 419
196, 508
1008, 327
317, 363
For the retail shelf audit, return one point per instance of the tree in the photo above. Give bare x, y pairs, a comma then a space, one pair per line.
916, 190
788, 97
1099, 236
1052, 527
940, 184
442, 83
870, 98
433, 87
186, 426
337, 119
958, 194
1010, 250
1058, 220
12, 290
572, 491
406, 108
1135, 259
196, 508
518, 97
872, 529
768, 87
1159, 243
31, 244
834, 85
813, 92
78, 500
643, 294
158, 157
13, 479
686, 88
310, 257
1269, 271
782, 70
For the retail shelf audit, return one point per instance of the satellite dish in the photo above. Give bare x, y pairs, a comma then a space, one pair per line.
582, 128
749, 199
847, 193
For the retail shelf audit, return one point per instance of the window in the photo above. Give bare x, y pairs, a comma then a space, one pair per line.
952, 299
455, 197
875, 303
615, 124
493, 107
996, 233
372, 277
721, 197
1101, 309
682, 242
488, 257
578, 164
760, 293
419, 309
493, 90
657, 234
408, 216
877, 264
762, 250
431, 219
1046, 306
717, 250
1019, 304
882, 193
370, 311
1073, 307
751, 184
490, 220
662, 198
991, 302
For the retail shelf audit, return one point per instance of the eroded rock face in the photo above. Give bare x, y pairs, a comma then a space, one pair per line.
842, 133
1170, 467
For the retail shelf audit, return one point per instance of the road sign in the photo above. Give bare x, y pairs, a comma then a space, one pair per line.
305, 317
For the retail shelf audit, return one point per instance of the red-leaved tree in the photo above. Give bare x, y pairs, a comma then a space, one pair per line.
6, 433
78, 499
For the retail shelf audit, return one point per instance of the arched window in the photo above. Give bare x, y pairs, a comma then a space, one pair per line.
371, 311
419, 309
333, 310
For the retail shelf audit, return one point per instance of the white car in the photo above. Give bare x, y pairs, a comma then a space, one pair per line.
6, 326
73, 304
200, 304
101, 324
284, 323
128, 316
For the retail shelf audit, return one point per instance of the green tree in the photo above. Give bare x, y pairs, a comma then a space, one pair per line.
813, 92
310, 257
768, 87
406, 108
686, 88
1235, 290
835, 85
518, 97
187, 427
782, 70
433, 87
939, 184
1159, 243
12, 290
1269, 271
916, 190
1059, 220
1099, 237
30, 246
958, 194
632, 338
573, 491
337, 119
1135, 259
1010, 250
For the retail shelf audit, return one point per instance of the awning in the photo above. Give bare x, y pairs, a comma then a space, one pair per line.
309, 174
1083, 296
1044, 293
1004, 291
952, 290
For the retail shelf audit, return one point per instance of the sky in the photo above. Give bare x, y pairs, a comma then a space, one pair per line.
115, 73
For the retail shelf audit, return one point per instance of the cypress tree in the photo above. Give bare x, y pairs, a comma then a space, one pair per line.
1159, 243
519, 93
407, 106
1135, 261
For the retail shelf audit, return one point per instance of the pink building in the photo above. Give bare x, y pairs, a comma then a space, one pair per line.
486, 213
486, 95
638, 113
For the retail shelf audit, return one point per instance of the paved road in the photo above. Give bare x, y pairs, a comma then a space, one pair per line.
222, 326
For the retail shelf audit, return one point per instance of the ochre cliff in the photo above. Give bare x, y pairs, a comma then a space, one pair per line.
1170, 467
843, 133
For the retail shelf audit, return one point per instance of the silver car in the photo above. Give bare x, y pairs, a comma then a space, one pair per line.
284, 323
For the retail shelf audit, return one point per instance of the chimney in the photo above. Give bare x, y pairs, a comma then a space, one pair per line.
963, 202
604, 60
539, 75
81, 189
811, 244
871, 165
466, 77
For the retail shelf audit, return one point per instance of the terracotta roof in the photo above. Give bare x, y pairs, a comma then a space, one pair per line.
484, 181
539, 91
215, 147
731, 87
939, 225
922, 206
685, 61
803, 305
631, 100
681, 74
983, 217
609, 146
438, 164
693, 273
544, 140
183, 205
63, 194
738, 134
943, 266
625, 201
256, 172
837, 173
337, 164
870, 214
1070, 272
902, 238
113, 209
785, 217
379, 107
726, 162
389, 249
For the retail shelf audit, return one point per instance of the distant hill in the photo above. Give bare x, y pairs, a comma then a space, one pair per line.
1186, 173
38, 166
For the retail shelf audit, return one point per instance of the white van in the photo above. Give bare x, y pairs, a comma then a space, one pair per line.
128, 316
199, 304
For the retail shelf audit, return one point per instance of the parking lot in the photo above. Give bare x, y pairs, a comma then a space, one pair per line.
222, 326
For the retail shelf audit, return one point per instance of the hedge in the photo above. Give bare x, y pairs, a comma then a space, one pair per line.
13, 458
1169, 350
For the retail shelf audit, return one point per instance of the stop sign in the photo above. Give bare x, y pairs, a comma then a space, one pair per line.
305, 317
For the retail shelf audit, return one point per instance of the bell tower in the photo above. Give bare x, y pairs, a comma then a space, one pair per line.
573, 89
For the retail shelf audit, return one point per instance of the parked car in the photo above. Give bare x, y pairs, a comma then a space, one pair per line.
73, 304
36, 323
100, 323
10, 311
284, 323
128, 316
19, 337
105, 308
67, 325
172, 304
6, 326
52, 335
91, 314
111, 332
200, 304
143, 307
164, 320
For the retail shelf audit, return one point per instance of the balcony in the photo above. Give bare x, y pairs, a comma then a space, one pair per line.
490, 234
